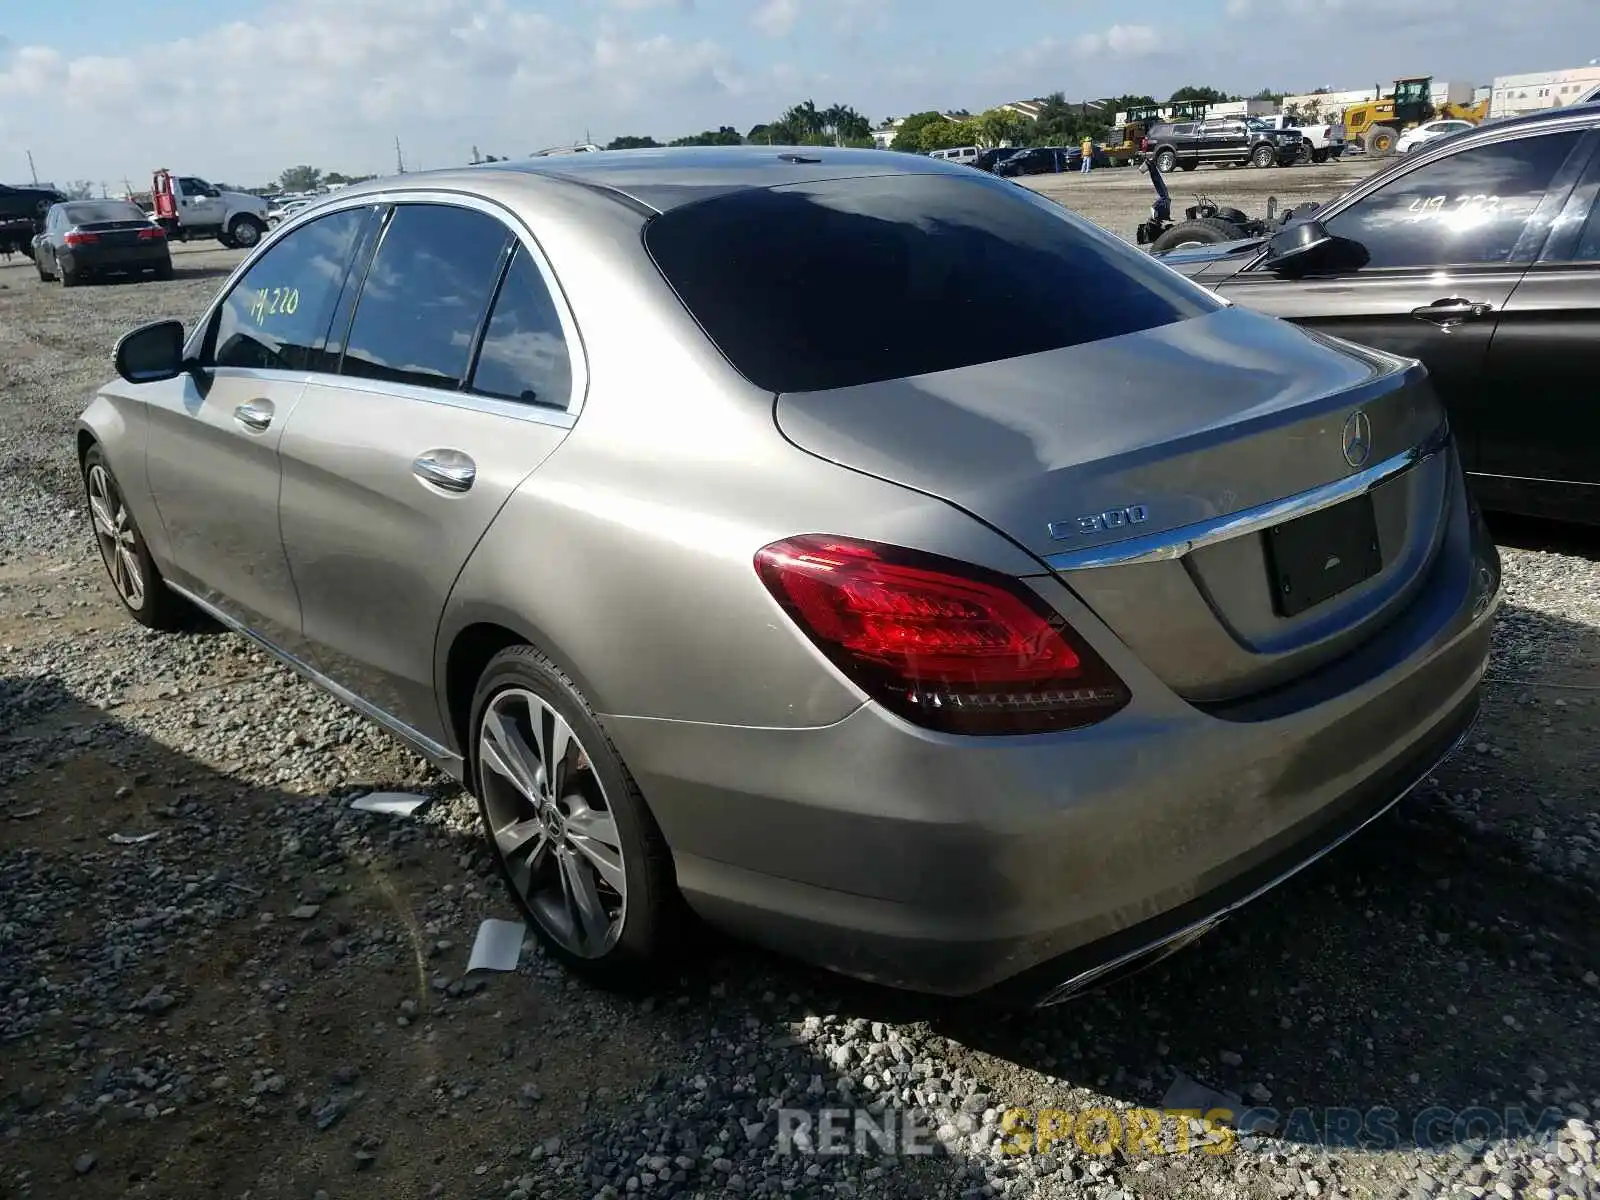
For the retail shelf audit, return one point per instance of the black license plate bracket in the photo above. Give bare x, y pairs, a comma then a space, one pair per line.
1316, 557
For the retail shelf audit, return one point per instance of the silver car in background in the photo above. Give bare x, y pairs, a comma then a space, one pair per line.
849, 549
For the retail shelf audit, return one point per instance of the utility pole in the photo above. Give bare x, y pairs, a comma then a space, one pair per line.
399, 158
476, 157
31, 170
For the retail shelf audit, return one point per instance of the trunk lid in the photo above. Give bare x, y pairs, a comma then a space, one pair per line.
116, 233
1071, 452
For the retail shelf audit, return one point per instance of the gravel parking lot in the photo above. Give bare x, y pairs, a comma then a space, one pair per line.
265, 996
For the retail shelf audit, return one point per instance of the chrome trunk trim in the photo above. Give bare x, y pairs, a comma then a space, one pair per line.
1175, 543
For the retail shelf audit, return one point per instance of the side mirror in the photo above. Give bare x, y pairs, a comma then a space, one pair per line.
151, 353
1304, 247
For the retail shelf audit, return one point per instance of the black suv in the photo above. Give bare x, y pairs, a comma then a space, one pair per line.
1222, 141
22, 213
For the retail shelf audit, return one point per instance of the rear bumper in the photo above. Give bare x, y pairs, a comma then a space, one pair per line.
116, 258
1011, 866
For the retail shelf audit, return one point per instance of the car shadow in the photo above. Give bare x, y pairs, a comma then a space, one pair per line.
1537, 533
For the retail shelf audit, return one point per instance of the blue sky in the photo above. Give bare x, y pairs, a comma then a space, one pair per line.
101, 89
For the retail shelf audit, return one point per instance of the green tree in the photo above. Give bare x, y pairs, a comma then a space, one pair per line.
909, 135
1123, 103
945, 134
300, 179
726, 135
1207, 95
1000, 126
1062, 124
1270, 94
632, 142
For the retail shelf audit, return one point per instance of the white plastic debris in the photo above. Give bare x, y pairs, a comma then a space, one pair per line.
132, 839
497, 947
1191, 1094
395, 804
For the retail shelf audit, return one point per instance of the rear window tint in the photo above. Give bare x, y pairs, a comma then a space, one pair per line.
834, 284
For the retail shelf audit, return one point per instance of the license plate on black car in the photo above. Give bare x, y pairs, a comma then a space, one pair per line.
1315, 557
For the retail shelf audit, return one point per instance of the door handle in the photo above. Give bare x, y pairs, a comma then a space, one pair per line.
449, 470
1450, 312
255, 416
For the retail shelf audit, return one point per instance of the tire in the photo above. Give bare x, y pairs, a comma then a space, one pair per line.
1189, 164
164, 271
244, 232
69, 278
123, 551
38, 266
1166, 161
1205, 231
522, 702
1319, 156
1262, 156
1379, 141
1304, 155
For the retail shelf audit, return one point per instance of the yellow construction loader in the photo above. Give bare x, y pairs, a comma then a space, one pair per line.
1378, 124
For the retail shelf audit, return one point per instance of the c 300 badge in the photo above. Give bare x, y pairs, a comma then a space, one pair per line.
1100, 522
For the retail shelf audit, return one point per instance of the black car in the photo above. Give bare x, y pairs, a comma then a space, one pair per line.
1225, 141
1039, 160
22, 211
87, 238
1480, 256
990, 160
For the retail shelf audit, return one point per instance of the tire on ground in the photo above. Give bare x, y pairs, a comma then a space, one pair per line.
1165, 161
654, 914
160, 607
244, 231
1379, 141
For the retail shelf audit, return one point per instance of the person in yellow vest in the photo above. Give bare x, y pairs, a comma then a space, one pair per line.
1088, 155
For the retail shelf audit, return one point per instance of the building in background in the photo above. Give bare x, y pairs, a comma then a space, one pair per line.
1517, 94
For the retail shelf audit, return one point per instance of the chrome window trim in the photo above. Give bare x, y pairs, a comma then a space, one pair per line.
577, 352
1175, 543
538, 414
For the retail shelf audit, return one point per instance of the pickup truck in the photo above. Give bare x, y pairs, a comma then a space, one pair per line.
22, 211
1324, 141
1222, 141
188, 207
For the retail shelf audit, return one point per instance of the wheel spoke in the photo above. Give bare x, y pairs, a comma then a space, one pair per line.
505, 754
594, 835
583, 898
514, 836
555, 742
524, 866
102, 516
135, 578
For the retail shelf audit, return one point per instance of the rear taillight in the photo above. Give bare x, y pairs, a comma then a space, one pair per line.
152, 234
80, 239
947, 645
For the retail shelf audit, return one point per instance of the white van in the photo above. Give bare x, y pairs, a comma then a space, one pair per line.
960, 154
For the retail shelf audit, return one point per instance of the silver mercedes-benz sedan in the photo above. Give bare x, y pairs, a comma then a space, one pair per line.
855, 551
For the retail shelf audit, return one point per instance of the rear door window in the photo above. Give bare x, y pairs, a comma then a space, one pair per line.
844, 282
1469, 208
524, 355
425, 296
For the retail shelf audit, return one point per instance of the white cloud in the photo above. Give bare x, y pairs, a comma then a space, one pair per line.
776, 17
333, 82
1120, 41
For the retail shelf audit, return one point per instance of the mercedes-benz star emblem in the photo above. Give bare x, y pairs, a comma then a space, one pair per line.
1357, 440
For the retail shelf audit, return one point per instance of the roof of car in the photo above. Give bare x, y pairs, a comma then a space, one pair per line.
671, 176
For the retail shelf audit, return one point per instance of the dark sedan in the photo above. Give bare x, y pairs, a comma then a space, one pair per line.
1046, 160
1479, 255
84, 239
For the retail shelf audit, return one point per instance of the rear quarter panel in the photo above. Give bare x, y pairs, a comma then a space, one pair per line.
628, 556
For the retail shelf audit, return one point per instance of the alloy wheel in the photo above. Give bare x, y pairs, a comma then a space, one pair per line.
119, 545
552, 823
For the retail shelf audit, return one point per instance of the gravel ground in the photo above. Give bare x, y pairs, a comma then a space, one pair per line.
265, 996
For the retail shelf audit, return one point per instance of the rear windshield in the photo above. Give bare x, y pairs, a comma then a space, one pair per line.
92, 213
825, 285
